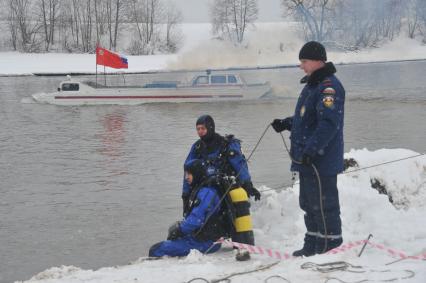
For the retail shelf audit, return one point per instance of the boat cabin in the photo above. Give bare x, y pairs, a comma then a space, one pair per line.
216, 80
69, 86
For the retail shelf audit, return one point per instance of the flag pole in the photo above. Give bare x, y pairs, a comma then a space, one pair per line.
105, 75
96, 74
96, 63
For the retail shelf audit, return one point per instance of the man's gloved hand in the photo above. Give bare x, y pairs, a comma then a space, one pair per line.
174, 231
306, 159
280, 125
251, 191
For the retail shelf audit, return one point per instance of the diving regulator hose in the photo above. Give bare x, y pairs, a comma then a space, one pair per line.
320, 192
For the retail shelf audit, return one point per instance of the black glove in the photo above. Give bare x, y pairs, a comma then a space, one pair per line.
174, 231
306, 159
251, 191
280, 125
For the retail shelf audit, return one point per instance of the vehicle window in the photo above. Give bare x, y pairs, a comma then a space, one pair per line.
232, 79
218, 79
70, 87
201, 80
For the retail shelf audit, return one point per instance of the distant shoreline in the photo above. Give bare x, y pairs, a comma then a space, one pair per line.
59, 74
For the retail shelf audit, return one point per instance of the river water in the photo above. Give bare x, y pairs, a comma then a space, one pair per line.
95, 186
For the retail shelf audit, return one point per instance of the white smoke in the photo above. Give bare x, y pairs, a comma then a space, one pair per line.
267, 44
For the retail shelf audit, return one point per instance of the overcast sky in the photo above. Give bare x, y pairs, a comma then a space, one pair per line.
198, 10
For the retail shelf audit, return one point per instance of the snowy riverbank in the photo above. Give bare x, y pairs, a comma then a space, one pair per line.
278, 223
271, 44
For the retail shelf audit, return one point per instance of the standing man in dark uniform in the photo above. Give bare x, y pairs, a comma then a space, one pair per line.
223, 156
317, 142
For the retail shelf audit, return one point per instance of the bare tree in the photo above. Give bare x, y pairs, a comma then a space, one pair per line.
415, 15
66, 27
25, 28
82, 24
421, 7
12, 24
388, 15
412, 17
348, 24
78, 25
230, 18
315, 16
114, 9
145, 15
173, 18
99, 19
49, 11
354, 25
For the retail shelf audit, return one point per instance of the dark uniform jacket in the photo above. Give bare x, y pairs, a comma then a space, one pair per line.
317, 125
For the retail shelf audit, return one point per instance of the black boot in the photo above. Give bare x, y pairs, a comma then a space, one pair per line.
308, 247
322, 246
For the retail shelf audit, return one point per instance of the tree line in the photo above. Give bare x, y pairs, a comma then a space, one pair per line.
355, 24
79, 25
153, 26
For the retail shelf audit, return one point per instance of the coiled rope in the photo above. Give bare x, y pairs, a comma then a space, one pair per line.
227, 277
347, 267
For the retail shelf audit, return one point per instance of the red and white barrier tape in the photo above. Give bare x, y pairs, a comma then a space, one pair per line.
343, 248
395, 253
257, 250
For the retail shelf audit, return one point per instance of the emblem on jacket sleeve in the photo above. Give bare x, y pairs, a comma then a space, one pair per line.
328, 101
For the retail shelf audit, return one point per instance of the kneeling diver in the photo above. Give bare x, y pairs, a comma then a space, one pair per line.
202, 224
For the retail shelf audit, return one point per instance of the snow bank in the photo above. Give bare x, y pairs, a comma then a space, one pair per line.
279, 225
269, 44
15, 63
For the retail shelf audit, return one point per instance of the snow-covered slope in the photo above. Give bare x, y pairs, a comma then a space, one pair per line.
279, 226
269, 44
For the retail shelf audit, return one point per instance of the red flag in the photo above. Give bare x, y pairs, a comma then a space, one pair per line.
107, 58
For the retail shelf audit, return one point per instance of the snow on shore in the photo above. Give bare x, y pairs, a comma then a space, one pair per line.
270, 44
278, 223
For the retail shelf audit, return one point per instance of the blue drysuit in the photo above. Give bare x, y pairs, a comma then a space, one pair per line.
206, 206
224, 156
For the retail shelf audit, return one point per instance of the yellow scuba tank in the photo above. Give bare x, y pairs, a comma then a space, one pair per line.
242, 222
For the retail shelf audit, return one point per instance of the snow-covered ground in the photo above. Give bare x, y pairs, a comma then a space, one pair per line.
270, 44
278, 223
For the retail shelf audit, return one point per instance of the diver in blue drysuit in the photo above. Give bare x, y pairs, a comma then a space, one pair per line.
202, 224
223, 156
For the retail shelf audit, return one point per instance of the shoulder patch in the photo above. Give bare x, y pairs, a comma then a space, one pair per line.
329, 91
328, 101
